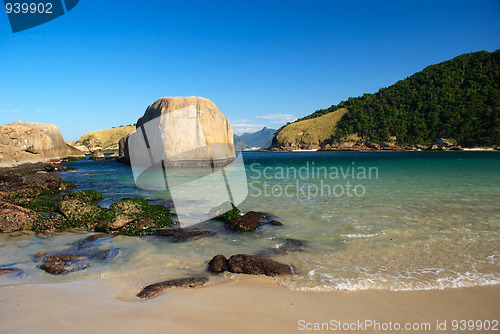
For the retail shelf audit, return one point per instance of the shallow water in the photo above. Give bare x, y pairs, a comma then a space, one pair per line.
421, 220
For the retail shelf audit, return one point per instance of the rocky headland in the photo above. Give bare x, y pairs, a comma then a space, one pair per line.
30, 142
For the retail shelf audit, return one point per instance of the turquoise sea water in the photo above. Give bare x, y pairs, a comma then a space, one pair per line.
385, 220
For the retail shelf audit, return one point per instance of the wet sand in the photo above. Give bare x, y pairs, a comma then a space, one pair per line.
245, 305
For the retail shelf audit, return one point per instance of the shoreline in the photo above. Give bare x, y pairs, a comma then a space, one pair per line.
248, 304
482, 149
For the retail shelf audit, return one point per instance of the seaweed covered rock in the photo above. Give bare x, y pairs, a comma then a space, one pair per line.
84, 214
246, 223
22, 184
237, 222
121, 221
227, 212
134, 217
84, 195
15, 218
154, 290
130, 205
36, 204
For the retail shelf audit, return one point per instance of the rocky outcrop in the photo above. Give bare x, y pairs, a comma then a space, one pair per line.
443, 142
122, 148
22, 142
97, 156
14, 218
181, 132
154, 290
50, 181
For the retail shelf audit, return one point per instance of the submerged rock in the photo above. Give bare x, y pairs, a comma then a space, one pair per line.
41, 255
104, 255
154, 290
78, 256
287, 246
251, 221
83, 195
63, 264
218, 264
180, 235
91, 241
4, 271
256, 265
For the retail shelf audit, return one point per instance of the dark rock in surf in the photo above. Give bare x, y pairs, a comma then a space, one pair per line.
218, 264
63, 264
251, 221
4, 271
181, 235
156, 289
257, 265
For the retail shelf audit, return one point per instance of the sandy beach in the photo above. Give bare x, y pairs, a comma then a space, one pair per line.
245, 305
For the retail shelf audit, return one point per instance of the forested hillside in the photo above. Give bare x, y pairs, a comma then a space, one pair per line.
458, 99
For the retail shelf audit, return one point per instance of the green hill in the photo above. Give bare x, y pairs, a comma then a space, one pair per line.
312, 131
105, 138
458, 98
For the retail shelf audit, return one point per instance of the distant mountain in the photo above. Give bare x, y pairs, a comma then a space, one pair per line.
458, 98
259, 139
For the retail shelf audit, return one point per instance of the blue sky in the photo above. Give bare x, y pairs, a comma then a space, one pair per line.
261, 62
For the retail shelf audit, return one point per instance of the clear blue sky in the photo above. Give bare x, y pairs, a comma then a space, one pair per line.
261, 62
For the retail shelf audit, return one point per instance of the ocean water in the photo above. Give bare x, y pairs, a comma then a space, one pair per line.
368, 220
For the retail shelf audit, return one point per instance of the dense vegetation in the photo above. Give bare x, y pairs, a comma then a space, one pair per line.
458, 99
